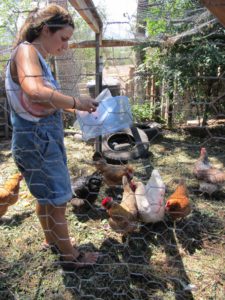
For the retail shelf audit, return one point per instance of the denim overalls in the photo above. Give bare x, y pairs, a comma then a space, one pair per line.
39, 152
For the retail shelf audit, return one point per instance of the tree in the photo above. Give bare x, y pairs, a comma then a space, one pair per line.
191, 58
11, 13
139, 51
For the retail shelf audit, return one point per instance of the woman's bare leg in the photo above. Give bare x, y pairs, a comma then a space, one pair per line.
54, 224
42, 213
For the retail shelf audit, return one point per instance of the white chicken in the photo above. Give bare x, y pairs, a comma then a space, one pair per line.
150, 199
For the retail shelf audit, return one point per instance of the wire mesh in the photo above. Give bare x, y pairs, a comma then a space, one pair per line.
173, 78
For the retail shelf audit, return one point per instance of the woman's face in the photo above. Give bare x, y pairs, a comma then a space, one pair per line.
57, 42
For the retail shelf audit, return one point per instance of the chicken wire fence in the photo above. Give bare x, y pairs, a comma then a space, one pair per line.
173, 78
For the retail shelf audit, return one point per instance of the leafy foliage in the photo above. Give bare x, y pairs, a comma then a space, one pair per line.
161, 16
11, 14
192, 65
142, 112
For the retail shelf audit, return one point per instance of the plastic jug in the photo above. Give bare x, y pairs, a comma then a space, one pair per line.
113, 114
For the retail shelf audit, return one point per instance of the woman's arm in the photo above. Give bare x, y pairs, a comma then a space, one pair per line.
29, 73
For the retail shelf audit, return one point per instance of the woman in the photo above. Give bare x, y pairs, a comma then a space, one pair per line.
37, 143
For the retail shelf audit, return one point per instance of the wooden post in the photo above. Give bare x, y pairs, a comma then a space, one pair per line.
131, 82
98, 84
217, 8
4, 117
99, 67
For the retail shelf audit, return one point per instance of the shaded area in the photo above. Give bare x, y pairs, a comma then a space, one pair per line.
128, 271
16, 219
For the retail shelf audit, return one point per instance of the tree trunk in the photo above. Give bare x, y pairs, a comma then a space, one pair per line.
170, 104
157, 109
140, 53
206, 108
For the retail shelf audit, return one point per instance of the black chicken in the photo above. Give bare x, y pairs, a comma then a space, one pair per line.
85, 190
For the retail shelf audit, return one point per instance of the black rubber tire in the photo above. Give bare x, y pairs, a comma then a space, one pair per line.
126, 148
152, 133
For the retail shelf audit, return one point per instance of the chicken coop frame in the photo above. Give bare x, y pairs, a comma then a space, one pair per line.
88, 12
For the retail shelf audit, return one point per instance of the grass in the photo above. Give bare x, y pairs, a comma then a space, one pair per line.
156, 262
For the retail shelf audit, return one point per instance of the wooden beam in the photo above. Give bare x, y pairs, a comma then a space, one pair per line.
217, 8
184, 36
89, 13
105, 43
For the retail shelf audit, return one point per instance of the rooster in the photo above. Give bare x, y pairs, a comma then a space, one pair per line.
150, 199
85, 190
9, 192
123, 216
178, 204
112, 174
211, 179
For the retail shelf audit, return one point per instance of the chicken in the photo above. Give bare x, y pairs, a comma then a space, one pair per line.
112, 174
3, 209
150, 199
178, 204
123, 216
85, 190
9, 192
211, 179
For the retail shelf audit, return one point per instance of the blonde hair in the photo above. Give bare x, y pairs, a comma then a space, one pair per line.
54, 16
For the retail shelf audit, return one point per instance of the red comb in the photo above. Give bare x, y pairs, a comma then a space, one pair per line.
106, 200
133, 186
167, 204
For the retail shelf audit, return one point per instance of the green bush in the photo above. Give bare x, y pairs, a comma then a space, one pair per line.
142, 112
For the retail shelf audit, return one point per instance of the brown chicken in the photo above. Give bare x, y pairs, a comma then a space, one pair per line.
112, 174
123, 216
211, 179
178, 204
9, 192
3, 209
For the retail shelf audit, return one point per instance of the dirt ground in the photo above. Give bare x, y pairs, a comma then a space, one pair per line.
157, 262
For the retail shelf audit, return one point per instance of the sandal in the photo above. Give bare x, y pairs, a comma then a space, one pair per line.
82, 261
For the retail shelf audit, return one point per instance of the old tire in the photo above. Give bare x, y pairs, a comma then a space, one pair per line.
153, 130
122, 146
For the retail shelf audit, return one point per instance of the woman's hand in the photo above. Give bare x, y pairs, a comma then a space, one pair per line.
86, 104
